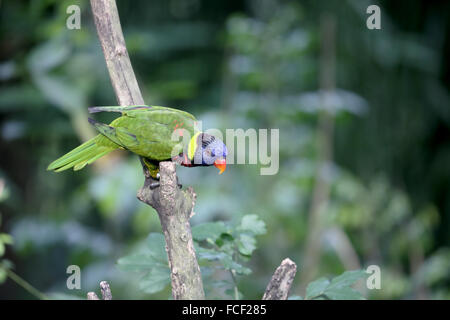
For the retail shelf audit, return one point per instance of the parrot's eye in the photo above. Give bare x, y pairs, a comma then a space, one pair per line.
213, 154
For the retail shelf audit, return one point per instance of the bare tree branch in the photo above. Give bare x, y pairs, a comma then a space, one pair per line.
110, 34
106, 292
281, 282
174, 206
92, 296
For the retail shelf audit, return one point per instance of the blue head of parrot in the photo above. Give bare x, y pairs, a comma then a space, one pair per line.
210, 151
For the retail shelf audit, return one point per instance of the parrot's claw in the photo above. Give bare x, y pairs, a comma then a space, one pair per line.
156, 184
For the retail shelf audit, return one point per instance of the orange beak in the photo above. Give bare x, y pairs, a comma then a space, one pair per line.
220, 164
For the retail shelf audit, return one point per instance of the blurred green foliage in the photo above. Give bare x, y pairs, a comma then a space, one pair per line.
221, 249
234, 64
339, 288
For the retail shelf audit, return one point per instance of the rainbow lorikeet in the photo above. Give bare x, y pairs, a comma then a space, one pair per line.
150, 132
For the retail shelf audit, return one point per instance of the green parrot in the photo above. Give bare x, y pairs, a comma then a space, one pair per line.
152, 132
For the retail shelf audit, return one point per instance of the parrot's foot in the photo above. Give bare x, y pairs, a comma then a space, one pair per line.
156, 184
153, 171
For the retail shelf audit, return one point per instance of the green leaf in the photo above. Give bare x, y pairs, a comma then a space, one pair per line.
348, 278
210, 254
295, 298
338, 288
48, 55
156, 280
6, 238
230, 264
156, 245
139, 263
210, 230
225, 260
3, 275
246, 244
224, 239
151, 259
2, 249
317, 288
343, 293
253, 224
153, 255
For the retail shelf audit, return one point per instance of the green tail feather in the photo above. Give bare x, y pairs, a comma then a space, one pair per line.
82, 155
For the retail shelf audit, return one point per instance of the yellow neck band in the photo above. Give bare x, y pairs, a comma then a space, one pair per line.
192, 146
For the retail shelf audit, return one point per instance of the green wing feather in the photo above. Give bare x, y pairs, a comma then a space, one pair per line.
84, 154
106, 130
130, 110
126, 138
121, 109
118, 135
